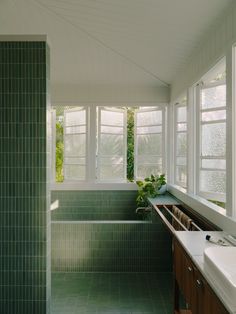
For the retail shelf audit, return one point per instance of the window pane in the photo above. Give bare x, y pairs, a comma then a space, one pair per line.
75, 145
214, 115
75, 129
149, 144
144, 171
111, 144
214, 163
74, 172
109, 172
149, 118
147, 159
111, 160
149, 129
112, 118
182, 114
110, 129
181, 127
75, 117
214, 139
75, 160
213, 97
181, 175
212, 181
181, 144
181, 161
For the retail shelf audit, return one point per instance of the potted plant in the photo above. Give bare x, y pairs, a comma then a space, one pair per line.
150, 187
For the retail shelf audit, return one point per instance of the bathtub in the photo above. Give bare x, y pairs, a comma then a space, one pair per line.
110, 245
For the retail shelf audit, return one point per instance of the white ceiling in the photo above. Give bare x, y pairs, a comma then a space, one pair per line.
110, 42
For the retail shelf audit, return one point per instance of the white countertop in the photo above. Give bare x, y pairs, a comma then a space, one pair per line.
194, 243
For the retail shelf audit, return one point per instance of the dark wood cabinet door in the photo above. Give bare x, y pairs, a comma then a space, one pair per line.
198, 294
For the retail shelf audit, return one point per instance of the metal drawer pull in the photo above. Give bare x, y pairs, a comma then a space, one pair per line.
199, 283
190, 269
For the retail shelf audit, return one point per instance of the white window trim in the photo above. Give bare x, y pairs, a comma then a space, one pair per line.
163, 134
86, 142
121, 180
200, 86
92, 183
175, 107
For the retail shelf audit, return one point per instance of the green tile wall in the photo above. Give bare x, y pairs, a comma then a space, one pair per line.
94, 205
82, 241
24, 178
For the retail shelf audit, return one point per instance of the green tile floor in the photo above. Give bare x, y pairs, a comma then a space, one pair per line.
112, 293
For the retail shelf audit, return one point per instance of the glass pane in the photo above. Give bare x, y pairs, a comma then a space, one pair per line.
213, 97
181, 114
75, 129
74, 172
214, 163
181, 161
111, 129
111, 172
149, 160
112, 118
181, 127
214, 115
149, 129
181, 175
75, 160
111, 144
144, 171
150, 144
212, 181
149, 118
181, 144
75, 117
111, 160
214, 139
75, 145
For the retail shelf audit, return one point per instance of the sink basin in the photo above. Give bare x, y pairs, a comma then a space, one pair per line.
220, 265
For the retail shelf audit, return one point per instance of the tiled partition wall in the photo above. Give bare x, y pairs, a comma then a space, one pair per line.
24, 192
83, 239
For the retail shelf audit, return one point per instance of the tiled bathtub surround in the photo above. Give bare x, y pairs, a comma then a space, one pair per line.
24, 171
94, 205
106, 244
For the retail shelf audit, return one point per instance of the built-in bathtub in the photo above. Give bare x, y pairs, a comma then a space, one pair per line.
130, 244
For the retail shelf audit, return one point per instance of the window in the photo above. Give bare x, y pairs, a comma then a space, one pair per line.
112, 128
212, 138
180, 143
126, 143
75, 141
149, 142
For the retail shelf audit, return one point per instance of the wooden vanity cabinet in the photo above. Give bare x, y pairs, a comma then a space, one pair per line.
199, 296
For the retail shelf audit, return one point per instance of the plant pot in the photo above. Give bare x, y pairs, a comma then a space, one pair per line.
162, 190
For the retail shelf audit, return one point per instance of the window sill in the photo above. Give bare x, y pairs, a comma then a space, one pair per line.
212, 212
86, 186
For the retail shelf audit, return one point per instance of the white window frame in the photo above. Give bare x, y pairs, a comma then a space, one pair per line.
163, 134
113, 109
176, 106
221, 197
91, 182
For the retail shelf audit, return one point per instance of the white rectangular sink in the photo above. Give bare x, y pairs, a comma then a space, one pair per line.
220, 265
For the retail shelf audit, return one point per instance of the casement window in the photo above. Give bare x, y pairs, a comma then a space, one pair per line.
211, 144
112, 148
180, 143
75, 144
108, 144
149, 142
